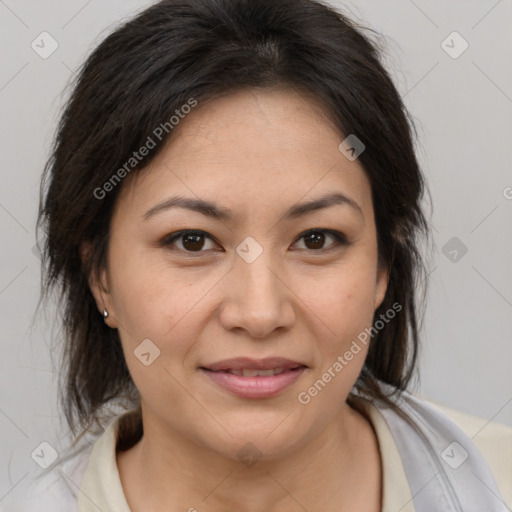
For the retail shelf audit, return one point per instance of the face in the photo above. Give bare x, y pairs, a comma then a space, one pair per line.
240, 315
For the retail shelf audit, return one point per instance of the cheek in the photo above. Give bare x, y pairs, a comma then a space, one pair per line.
140, 289
344, 302
152, 307
345, 299
152, 302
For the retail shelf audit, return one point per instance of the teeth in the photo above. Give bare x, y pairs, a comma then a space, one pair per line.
267, 373
257, 373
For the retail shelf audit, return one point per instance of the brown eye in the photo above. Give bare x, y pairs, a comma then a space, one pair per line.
188, 241
192, 242
314, 240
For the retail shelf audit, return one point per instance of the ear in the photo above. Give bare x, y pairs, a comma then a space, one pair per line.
98, 284
381, 285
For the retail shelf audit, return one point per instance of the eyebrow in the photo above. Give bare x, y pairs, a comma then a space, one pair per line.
210, 209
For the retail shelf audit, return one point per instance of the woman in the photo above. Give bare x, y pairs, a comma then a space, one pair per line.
232, 212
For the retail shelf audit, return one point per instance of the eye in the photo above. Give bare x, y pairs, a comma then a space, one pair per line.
196, 241
188, 241
314, 239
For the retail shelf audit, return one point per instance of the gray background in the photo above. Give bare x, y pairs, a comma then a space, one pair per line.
462, 107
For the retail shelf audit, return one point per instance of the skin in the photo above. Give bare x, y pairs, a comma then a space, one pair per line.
256, 152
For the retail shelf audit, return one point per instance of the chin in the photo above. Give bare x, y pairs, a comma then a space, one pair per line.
261, 440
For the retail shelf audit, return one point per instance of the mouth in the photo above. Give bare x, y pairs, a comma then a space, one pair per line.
255, 378
248, 372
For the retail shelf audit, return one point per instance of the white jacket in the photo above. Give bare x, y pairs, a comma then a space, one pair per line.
430, 464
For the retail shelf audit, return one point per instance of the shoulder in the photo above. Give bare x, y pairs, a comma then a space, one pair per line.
493, 440
57, 488
53, 490
467, 459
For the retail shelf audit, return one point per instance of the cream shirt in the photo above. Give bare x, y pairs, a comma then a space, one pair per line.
101, 486
91, 483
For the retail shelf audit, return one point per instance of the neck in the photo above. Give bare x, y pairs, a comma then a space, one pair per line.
338, 469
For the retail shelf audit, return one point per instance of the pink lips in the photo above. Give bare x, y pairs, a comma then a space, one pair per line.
277, 374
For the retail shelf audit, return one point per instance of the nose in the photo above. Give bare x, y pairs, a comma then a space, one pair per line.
257, 298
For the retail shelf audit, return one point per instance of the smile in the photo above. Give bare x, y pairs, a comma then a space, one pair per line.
249, 378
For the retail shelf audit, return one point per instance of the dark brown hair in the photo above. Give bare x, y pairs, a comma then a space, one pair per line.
137, 78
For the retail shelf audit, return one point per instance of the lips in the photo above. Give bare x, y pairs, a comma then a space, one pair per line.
246, 363
248, 372
255, 378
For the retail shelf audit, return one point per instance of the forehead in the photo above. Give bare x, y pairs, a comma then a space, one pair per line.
254, 148
256, 121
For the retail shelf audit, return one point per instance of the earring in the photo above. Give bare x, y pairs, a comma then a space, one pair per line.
105, 314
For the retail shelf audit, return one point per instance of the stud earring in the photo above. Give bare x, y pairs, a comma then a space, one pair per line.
105, 314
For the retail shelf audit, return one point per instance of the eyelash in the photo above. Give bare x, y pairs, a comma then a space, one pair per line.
340, 240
